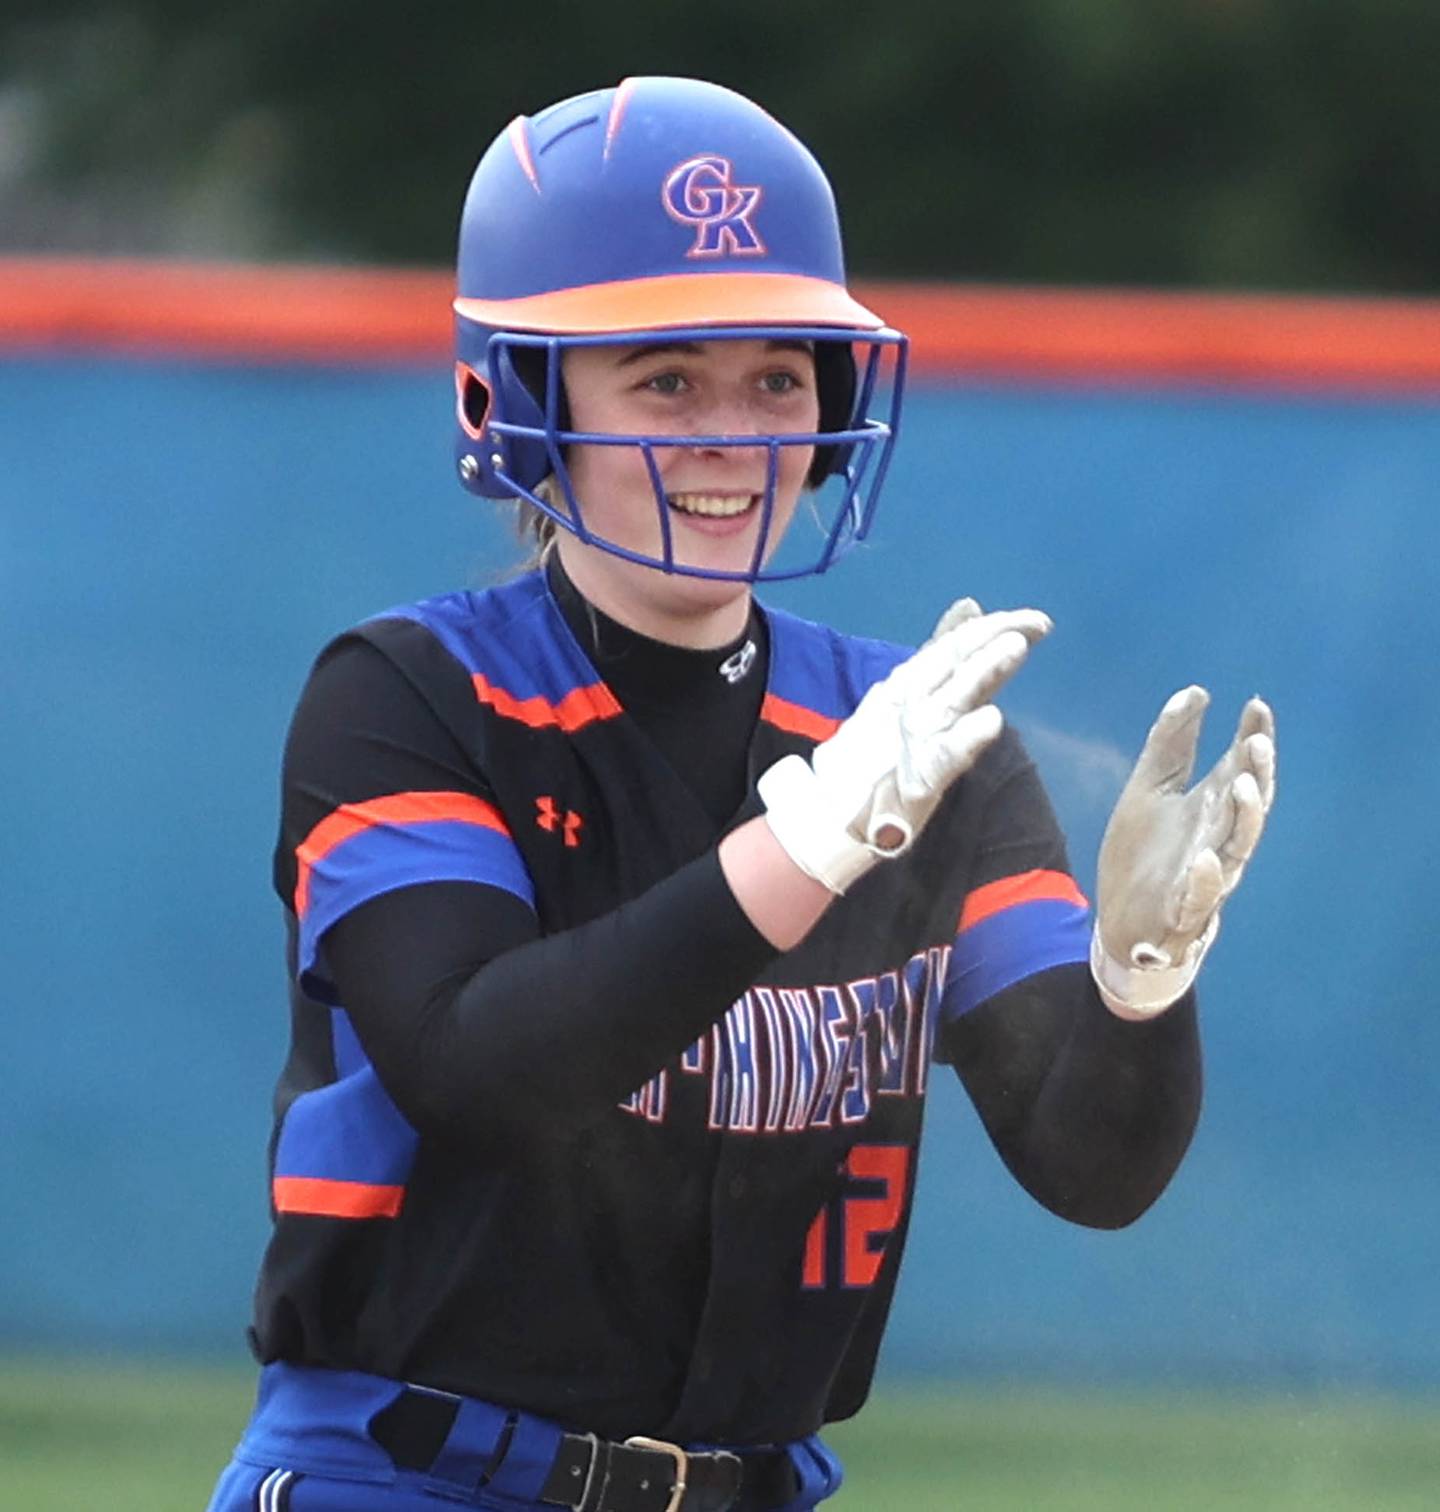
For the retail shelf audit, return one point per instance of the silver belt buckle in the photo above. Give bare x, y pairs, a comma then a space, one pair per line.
682, 1465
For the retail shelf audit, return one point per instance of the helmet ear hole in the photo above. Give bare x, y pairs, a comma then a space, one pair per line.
472, 401
531, 365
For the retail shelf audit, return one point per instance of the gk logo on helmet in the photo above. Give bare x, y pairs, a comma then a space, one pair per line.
700, 192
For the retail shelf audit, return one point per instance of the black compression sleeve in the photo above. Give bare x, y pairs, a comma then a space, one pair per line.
475, 1024
1091, 1113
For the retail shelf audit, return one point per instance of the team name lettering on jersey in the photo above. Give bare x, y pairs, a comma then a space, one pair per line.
787, 1059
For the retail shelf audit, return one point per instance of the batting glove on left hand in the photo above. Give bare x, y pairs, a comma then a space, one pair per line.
1170, 858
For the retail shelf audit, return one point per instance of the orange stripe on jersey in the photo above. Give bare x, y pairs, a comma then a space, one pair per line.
578, 708
1024, 887
395, 808
324, 1198
796, 718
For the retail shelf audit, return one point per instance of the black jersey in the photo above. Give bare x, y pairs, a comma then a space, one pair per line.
712, 1254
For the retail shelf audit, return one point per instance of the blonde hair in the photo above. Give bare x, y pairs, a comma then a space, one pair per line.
534, 527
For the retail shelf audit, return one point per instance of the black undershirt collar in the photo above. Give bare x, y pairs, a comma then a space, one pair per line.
698, 707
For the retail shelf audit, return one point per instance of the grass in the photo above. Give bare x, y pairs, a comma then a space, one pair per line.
1046, 1452
147, 1438
77, 1438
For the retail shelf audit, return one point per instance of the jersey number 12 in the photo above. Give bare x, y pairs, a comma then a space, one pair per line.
847, 1240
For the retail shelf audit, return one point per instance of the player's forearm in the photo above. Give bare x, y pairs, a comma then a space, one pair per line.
552, 1031
1116, 1115
1099, 1118
780, 900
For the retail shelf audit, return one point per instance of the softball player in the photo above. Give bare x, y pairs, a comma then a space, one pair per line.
628, 917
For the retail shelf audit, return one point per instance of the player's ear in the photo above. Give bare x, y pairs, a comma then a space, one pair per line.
472, 401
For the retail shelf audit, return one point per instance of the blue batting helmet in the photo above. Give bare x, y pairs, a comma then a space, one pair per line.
661, 205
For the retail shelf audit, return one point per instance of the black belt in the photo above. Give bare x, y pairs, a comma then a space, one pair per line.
591, 1474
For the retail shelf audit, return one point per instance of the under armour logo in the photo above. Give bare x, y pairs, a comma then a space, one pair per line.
550, 818
734, 667
699, 193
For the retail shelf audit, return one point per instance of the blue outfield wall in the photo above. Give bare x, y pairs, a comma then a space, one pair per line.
179, 539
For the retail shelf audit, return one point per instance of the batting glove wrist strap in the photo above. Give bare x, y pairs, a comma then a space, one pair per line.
801, 815
1142, 991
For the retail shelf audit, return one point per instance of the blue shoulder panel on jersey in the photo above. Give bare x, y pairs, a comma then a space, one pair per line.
822, 670
518, 650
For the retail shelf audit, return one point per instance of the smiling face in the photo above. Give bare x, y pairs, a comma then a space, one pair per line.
712, 493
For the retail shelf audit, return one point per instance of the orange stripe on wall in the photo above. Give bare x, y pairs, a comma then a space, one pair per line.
324, 1198
262, 314
580, 707
1145, 335
796, 718
395, 808
1024, 887
317, 314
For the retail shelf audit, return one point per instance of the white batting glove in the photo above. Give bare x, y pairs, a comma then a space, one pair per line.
1170, 858
867, 791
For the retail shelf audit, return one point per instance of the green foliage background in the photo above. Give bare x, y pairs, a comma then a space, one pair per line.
1258, 143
